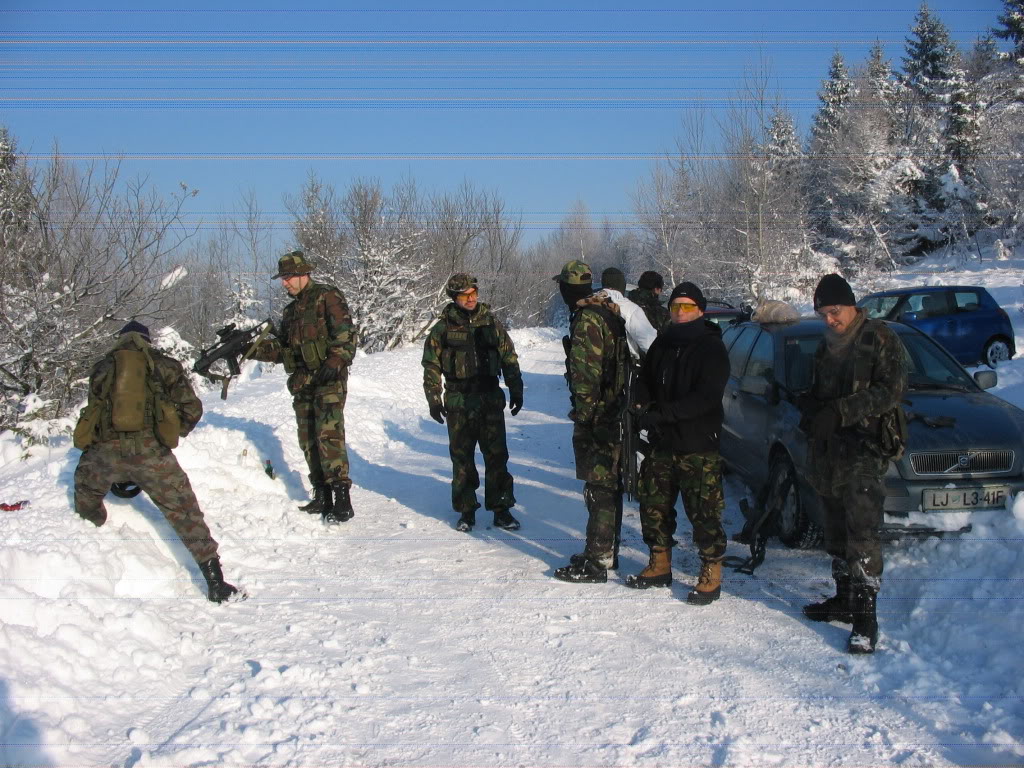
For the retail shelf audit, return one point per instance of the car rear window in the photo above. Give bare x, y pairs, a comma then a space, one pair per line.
880, 306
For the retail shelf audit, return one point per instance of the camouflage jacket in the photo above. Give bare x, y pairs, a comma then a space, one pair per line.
315, 327
470, 351
862, 381
169, 379
657, 313
597, 360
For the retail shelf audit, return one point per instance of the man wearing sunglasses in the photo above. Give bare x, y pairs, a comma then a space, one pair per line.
682, 382
859, 376
316, 342
470, 348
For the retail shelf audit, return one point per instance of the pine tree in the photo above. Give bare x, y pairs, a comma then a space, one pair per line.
931, 57
835, 96
1013, 28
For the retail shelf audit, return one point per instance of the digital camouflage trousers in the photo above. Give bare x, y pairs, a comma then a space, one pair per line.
153, 468
597, 465
478, 419
852, 522
698, 478
320, 419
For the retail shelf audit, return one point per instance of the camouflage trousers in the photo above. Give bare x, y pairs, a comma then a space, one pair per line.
597, 465
320, 418
852, 520
473, 419
153, 468
698, 478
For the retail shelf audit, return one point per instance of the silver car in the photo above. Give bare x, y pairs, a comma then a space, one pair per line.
965, 451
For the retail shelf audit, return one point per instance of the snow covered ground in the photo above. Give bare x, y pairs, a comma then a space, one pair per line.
394, 640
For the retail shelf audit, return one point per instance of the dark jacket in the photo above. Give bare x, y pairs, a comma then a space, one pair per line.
682, 382
657, 313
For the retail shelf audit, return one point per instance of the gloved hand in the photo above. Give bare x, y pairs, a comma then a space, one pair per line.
515, 403
438, 412
328, 372
825, 423
651, 419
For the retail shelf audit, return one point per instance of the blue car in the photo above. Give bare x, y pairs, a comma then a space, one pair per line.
964, 319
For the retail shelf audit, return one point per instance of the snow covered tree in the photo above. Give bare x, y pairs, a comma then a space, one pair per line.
834, 95
931, 57
1012, 29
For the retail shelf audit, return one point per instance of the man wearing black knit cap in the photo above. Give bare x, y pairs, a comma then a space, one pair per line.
682, 382
859, 378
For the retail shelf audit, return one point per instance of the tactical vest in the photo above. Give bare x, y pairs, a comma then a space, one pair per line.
891, 427
614, 367
470, 352
307, 343
130, 400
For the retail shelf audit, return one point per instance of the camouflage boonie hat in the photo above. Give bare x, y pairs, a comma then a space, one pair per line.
575, 272
460, 282
293, 263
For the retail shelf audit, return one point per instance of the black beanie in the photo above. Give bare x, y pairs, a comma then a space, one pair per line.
134, 326
689, 291
833, 291
650, 280
614, 279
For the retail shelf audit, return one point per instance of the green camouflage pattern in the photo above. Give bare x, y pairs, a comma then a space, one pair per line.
665, 475
483, 351
138, 457
657, 313
597, 465
596, 356
320, 419
852, 521
443, 360
460, 282
318, 313
293, 263
855, 449
575, 272
478, 419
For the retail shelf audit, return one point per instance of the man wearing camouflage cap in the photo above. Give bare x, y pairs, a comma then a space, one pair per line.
469, 347
316, 344
597, 364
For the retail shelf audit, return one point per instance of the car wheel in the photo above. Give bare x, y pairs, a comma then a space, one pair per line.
996, 351
794, 526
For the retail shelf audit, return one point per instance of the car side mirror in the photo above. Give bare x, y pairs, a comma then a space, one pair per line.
911, 316
755, 385
986, 379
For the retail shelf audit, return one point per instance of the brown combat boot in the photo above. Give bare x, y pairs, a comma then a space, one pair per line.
709, 584
658, 572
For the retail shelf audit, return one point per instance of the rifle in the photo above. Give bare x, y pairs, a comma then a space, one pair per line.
628, 466
234, 347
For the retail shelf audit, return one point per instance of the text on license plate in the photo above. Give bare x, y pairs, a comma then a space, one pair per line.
938, 499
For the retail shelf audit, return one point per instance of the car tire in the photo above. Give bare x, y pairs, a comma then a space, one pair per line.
795, 528
996, 351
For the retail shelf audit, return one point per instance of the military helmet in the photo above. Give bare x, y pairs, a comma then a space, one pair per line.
575, 272
460, 282
291, 264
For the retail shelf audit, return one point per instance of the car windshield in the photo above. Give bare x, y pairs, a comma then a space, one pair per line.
879, 306
928, 366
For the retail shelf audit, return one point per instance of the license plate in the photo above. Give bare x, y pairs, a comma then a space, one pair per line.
941, 499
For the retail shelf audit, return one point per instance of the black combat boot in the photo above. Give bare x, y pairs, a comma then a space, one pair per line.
341, 511
503, 519
582, 571
466, 522
321, 500
217, 590
579, 557
864, 636
658, 572
835, 608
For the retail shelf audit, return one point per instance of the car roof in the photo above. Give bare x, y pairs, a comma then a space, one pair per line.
811, 325
923, 289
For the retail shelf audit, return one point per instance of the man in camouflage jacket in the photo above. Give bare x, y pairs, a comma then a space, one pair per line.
140, 456
316, 342
597, 360
859, 376
647, 295
469, 347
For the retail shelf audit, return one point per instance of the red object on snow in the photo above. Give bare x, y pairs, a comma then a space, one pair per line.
16, 505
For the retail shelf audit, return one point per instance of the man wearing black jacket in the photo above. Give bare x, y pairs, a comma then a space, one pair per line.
681, 386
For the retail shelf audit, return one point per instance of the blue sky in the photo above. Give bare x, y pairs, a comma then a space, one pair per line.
545, 103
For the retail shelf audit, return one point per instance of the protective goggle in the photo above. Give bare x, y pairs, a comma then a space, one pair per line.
470, 294
682, 308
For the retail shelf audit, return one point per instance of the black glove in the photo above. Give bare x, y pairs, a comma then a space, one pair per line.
515, 402
438, 412
651, 419
328, 372
825, 423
